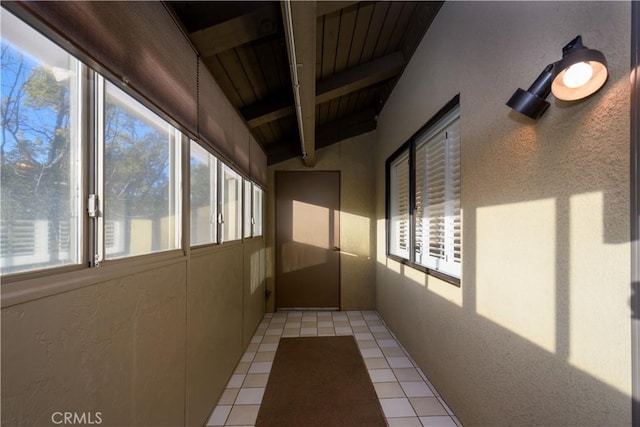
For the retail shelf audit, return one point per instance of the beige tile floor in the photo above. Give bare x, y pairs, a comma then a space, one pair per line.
406, 395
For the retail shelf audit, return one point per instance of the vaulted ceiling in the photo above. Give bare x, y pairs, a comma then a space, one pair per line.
348, 57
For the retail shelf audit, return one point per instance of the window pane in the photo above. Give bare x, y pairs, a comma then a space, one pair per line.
231, 205
41, 218
399, 239
203, 196
141, 176
437, 174
257, 211
247, 208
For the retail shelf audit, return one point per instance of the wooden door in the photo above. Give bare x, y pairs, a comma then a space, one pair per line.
308, 239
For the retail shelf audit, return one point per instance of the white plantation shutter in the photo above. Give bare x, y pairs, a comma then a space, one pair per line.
399, 239
454, 229
420, 224
437, 209
435, 195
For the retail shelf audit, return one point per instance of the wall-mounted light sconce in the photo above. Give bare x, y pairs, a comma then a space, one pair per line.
580, 73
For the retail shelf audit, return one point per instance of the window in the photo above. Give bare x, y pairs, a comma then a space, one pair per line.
257, 210
48, 162
231, 205
41, 218
68, 132
399, 206
248, 213
437, 199
141, 178
204, 178
423, 201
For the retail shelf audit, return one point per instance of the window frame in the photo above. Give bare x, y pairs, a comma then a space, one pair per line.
411, 146
257, 211
176, 188
213, 190
222, 220
247, 208
90, 84
399, 156
79, 89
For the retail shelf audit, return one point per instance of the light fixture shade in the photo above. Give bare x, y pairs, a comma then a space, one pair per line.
532, 102
580, 72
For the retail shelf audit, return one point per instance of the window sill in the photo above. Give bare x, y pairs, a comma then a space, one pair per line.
455, 281
27, 289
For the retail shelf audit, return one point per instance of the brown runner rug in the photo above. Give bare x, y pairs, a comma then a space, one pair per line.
319, 381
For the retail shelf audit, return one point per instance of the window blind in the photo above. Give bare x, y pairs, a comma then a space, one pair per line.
437, 198
400, 237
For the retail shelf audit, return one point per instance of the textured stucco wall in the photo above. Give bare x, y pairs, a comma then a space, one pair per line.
214, 319
117, 348
538, 333
254, 287
353, 158
155, 347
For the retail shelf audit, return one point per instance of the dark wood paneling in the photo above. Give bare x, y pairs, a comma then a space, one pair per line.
345, 38
360, 32
375, 26
254, 74
331, 30
408, 10
260, 22
231, 64
222, 77
253, 71
390, 23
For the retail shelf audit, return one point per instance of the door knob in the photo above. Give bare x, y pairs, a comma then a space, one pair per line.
335, 249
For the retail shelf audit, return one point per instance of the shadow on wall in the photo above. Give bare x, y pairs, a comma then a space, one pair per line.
539, 370
539, 329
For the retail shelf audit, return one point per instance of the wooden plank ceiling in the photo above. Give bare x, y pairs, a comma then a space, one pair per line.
361, 50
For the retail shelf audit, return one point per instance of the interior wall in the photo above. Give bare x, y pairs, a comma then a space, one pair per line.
214, 335
116, 348
153, 347
353, 158
149, 340
539, 331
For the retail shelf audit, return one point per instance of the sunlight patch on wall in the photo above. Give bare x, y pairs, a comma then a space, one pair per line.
415, 275
394, 265
516, 268
355, 234
257, 261
311, 224
445, 290
594, 335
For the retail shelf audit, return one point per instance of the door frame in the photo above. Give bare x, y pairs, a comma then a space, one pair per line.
635, 213
275, 239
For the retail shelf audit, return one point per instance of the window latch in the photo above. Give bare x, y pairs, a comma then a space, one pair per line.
220, 219
92, 206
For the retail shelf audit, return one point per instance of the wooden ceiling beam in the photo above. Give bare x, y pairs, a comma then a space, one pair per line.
269, 109
346, 127
350, 80
327, 134
302, 44
236, 32
359, 77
